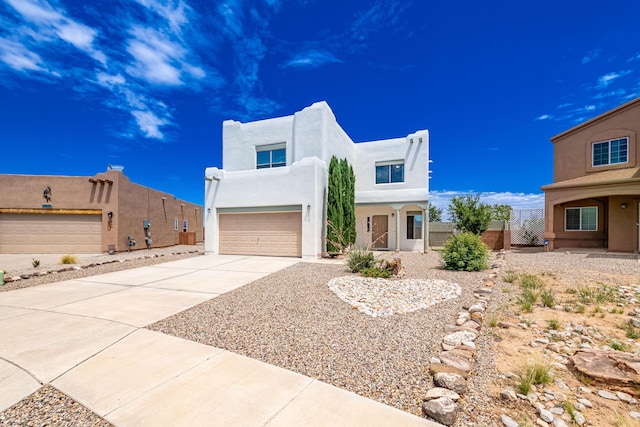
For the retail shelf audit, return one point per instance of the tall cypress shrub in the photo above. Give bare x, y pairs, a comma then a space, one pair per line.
335, 207
348, 202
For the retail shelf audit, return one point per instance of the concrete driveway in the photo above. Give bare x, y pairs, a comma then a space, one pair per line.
86, 338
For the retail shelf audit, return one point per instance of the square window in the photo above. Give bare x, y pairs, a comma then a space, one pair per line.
271, 156
610, 152
389, 172
581, 219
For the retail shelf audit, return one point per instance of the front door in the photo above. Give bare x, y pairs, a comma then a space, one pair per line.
380, 232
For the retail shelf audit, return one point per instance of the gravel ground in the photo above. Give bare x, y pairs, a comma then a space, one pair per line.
291, 319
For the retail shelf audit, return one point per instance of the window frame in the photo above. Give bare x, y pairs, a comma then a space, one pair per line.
185, 225
389, 165
176, 224
412, 229
271, 148
580, 218
609, 144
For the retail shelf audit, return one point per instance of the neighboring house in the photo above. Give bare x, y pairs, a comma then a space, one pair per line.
270, 198
76, 214
594, 200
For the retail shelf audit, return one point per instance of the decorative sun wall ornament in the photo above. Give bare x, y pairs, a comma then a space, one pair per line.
47, 194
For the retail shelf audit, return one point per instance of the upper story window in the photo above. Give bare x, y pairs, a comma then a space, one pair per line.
581, 219
271, 156
611, 152
389, 172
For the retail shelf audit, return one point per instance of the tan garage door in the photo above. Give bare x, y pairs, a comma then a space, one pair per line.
50, 234
274, 234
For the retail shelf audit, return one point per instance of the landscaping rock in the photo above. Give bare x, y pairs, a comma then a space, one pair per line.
508, 421
451, 381
442, 410
441, 368
612, 367
438, 392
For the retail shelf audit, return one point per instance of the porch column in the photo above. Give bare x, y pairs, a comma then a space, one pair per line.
425, 228
397, 230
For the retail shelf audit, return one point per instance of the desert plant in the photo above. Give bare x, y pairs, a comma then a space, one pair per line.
534, 372
580, 308
35, 263
359, 259
376, 271
69, 259
631, 330
599, 295
531, 281
548, 298
465, 252
553, 324
570, 408
510, 276
619, 346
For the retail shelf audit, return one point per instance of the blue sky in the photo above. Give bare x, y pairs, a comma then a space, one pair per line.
147, 83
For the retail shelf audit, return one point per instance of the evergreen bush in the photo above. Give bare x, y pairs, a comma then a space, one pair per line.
465, 252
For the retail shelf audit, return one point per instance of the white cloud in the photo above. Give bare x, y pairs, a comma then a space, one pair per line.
18, 57
313, 58
110, 80
149, 123
609, 78
544, 117
174, 12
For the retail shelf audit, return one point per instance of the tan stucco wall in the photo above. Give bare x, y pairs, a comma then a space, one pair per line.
572, 149
110, 191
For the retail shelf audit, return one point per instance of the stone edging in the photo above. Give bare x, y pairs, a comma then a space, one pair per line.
452, 367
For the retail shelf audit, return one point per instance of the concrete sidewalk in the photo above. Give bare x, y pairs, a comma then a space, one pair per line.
85, 338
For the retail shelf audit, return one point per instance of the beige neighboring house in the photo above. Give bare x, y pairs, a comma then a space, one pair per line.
594, 201
91, 214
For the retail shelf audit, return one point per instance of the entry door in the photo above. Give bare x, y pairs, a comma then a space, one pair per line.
380, 232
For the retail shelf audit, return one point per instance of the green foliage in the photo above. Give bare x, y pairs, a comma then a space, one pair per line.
435, 214
359, 259
548, 298
631, 330
348, 202
69, 259
553, 324
601, 294
531, 281
619, 346
510, 276
465, 252
501, 212
376, 270
469, 214
335, 208
533, 373
35, 262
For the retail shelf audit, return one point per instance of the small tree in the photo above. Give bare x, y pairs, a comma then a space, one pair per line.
469, 214
435, 214
348, 202
501, 212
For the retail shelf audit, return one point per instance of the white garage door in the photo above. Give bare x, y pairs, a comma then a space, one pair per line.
274, 234
50, 234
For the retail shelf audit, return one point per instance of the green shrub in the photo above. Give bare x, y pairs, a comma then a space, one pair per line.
631, 330
375, 271
465, 252
548, 298
531, 281
35, 262
510, 276
359, 259
69, 259
533, 373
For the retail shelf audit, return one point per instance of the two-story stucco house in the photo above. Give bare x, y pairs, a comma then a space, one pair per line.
270, 196
594, 200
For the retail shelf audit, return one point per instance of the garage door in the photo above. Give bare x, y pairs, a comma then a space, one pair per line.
274, 234
50, 234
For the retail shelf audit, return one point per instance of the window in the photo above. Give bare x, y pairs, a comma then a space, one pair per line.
271, 156
175, 224
389, 172
610, 152
185, 225
414, 225
581, 219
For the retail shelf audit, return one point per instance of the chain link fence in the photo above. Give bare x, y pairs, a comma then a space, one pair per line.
527, 226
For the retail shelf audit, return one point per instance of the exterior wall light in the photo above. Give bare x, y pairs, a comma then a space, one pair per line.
623, 206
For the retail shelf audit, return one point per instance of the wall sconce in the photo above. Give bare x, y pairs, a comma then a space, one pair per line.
109, 220
110, 215
420, 140
623, 206
308, 213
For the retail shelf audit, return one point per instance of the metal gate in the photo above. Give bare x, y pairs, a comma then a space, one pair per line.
527, 226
